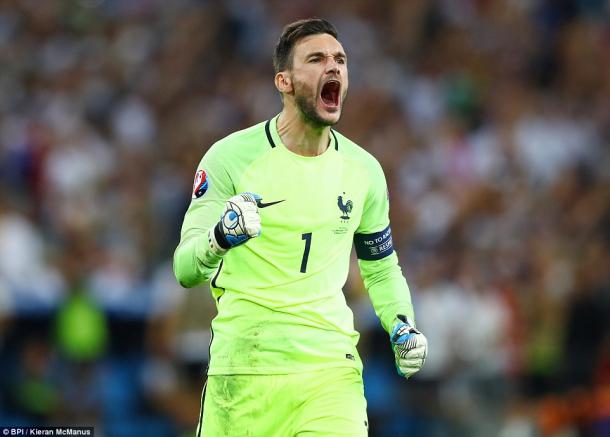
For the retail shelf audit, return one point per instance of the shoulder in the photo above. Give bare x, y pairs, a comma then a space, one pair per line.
238, 150
358, 155
246, 141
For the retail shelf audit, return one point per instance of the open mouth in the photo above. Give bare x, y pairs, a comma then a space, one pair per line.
330, 93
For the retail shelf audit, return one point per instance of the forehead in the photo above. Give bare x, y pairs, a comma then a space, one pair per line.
322, 42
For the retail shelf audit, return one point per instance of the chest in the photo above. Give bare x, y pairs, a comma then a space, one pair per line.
303, 195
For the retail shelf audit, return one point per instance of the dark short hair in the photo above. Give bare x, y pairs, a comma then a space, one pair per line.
282, 55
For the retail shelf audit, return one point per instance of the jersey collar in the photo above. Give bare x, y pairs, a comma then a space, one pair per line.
274, 138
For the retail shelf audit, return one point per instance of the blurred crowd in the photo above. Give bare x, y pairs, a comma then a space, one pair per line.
491, 119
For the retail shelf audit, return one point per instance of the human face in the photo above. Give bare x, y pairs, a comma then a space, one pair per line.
319, 79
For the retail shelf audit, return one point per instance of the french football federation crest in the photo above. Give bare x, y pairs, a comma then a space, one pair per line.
200, 185
345, 207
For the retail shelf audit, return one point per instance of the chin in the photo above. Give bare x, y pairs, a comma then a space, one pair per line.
328, 118
316, 114
331, 119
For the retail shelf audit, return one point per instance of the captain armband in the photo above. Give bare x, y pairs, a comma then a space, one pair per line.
375, 246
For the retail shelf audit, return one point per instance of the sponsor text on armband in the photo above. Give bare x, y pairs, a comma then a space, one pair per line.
371, 247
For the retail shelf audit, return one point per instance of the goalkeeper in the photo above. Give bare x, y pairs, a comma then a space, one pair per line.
275, 211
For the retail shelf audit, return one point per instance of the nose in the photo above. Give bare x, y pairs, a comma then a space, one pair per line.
333, 69
332, 66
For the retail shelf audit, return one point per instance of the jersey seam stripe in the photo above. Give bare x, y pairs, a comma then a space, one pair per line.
268, 132
205, 385
336, 140
200, 422
217, 273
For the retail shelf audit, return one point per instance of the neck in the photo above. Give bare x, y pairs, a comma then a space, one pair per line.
301, 137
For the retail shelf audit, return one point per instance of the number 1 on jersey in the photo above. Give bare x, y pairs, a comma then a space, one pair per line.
307, 238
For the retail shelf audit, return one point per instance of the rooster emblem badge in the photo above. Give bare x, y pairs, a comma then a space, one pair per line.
345, 208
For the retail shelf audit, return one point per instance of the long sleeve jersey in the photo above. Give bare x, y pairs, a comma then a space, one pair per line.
281, 308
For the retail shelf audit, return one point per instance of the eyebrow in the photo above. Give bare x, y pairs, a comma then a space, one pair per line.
320, 54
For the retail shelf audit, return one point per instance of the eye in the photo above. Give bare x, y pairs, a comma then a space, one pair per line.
315, 59
341, 61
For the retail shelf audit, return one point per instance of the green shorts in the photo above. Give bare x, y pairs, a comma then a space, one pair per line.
328, 402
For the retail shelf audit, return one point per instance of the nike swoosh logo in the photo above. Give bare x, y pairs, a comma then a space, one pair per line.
265, 205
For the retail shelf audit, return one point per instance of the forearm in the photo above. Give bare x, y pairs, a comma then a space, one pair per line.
195, 260
388, 289
200, 251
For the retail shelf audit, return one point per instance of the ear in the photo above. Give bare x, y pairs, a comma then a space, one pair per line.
283, 82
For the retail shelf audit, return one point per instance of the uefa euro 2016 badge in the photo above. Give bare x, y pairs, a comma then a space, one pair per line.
200, 185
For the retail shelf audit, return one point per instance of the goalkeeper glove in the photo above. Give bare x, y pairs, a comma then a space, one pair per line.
410, 347
238, 223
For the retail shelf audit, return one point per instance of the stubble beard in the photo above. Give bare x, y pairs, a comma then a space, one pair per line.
308, 111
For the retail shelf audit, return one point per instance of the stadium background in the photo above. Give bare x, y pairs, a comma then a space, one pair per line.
491, 119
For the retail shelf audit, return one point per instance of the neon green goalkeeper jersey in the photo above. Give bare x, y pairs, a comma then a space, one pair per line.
279, 297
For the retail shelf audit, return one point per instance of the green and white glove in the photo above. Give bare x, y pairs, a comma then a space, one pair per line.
410, 347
